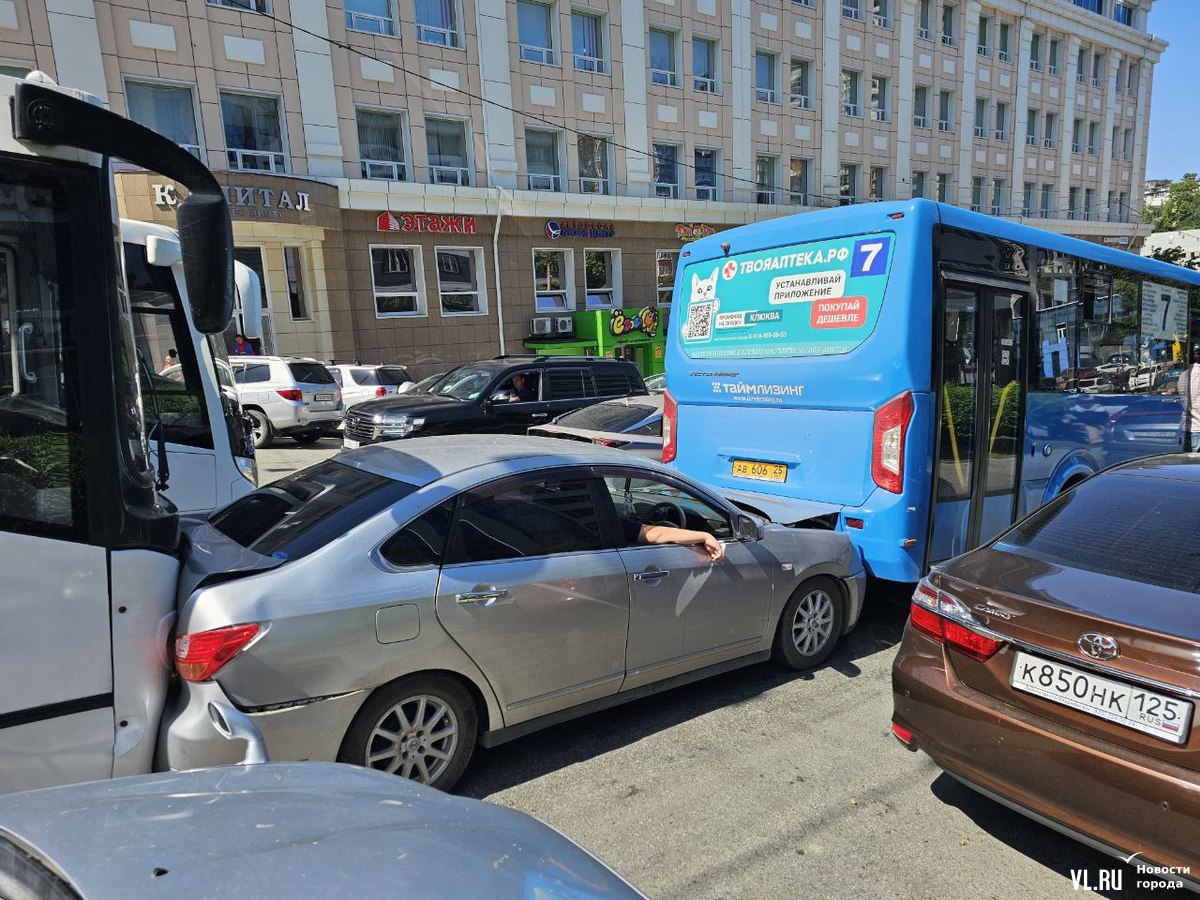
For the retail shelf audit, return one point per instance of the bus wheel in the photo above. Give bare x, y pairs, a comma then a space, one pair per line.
810, 625
261, 428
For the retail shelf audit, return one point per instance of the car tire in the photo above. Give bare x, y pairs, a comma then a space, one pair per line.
386, 734
261, 429
810, 624
304, 438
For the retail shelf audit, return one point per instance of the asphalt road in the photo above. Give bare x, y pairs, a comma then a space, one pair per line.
764, 783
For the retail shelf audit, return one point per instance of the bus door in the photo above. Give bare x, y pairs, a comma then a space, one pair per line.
981, 394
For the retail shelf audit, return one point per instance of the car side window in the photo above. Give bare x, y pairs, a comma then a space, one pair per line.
569, 384
536, 517
337, 376
253, 374
642, 501
421, 542
520, 387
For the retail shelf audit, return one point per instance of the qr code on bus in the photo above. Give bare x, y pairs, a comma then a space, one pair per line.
698, 326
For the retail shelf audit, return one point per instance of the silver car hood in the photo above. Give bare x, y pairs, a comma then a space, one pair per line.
295, 830
783, 510
209, 552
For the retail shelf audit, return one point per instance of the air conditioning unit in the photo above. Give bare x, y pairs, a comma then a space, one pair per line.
564, 325
540, 325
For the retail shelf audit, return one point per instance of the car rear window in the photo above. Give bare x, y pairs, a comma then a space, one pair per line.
1137, 527
296, 515
607, 416
310, 373
392, 375
615, 380
365, 377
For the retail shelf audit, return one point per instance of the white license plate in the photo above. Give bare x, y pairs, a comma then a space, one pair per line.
1162, 716
350, 444
323, 397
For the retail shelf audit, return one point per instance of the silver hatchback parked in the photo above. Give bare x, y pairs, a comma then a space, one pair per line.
287, 395
397, 604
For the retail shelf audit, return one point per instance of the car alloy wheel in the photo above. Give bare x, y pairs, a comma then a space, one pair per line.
416, 739
260, 428
810, 624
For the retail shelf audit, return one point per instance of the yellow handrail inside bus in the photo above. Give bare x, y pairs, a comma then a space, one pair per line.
962, 482
1004, 392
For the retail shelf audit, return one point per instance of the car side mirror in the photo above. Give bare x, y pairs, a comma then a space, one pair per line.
747, 529
501, 397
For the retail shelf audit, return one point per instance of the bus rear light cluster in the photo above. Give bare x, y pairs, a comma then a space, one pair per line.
943, 617
887, 442
670, 428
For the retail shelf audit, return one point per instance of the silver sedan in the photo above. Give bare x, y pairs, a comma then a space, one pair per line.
398, 605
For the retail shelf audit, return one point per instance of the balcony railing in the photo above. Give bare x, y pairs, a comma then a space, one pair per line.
983, 50
980, 131
883, 21
449, 175
1035, 65
997, 210
975, 207
544, 181
765, 95
1049, 143
1027, 212
1095, 81
664, 76
1076, 147
256, 161
1031, 140
666, 190
945, 125
850, 10
920, 121
801, 101
442, 37
765, 196
924, 34
879, 115
259, 6
542, 55
799, 198
949, 40
1000, 134
704, 85
589, 64
593, 185
357, 21
1003, 56
384, 170
193, 149
707, 191
850, 109
1081, 78
1052, 69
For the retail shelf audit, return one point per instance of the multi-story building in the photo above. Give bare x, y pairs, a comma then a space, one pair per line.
416, 179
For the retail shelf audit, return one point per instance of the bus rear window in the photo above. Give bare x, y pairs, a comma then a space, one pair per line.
814, 299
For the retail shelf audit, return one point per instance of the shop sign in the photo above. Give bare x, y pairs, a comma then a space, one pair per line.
423, 222
645, 321
1120, 240
693, 232
249, 202
579, 228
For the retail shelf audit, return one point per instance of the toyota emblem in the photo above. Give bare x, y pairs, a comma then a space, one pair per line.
1098, 646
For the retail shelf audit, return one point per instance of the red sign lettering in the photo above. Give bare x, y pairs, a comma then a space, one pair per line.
423, 222
839, 312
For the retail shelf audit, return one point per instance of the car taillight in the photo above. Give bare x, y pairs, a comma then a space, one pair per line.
670, 428
903, 735
381, 391
887, 442
947, 620
199, 656
291, 394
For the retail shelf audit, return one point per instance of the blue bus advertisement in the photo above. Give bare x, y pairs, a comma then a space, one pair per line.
917, 375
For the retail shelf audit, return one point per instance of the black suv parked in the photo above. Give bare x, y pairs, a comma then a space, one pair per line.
502, 395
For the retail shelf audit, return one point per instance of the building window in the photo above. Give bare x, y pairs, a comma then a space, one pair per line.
981, 106
801, 85
1035, 53
1001, 133
977, 194
1096, 6
1073, 203
1052, 62
764, 77
921, 106
1077, 136
1027, 197
882, 10
924, 20
798, 182
1002, 52
374, 16
999, 189
1031, 124
593, 165
587, 42
396, 281
764, 180
1047, 204
851, 9
918, 184
1123, 207
1127, 145
880, 107
850, 93
666, 171
663, 67
945, 111
1093, 144
446, 148
665, 264
258, 6
1115, 143
1089, 204
877, 183
293, 263
553, 286
167, 109
602, 279
706, 170
534, 33
1122, 14
948, 32
1050, 138
381, 145
943, 187
848, 184
1111, 207
20, 70
543, 160
985, 27
460, 276
1081, 66
704, 65
1097, 69
253, 133
437, 23
1135, 72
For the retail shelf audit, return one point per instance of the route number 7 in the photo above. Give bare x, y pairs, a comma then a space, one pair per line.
870, 256
870, 251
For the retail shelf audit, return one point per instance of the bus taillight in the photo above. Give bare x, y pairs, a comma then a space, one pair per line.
887, 442
670, 430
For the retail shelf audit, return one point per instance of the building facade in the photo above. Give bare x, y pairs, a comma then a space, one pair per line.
417, 181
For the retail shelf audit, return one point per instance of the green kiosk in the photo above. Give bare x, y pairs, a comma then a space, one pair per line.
634, 334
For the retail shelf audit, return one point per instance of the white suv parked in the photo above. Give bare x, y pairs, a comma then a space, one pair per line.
361, 382
287, 395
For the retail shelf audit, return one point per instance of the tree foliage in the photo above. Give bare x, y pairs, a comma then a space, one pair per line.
1176, 256
1181, 210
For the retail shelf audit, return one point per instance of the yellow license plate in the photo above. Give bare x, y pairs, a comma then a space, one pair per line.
744, 468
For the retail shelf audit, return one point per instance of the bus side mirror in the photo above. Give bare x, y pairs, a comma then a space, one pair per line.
207, 243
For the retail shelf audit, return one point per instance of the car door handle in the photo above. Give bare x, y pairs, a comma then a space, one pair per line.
540, 415
650, 576
482, 598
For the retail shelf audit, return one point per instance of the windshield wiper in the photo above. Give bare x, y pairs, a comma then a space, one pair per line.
162, 472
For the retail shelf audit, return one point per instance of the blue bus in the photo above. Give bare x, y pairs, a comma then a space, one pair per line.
917, 375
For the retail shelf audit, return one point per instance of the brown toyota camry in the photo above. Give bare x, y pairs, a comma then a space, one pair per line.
1057, 669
